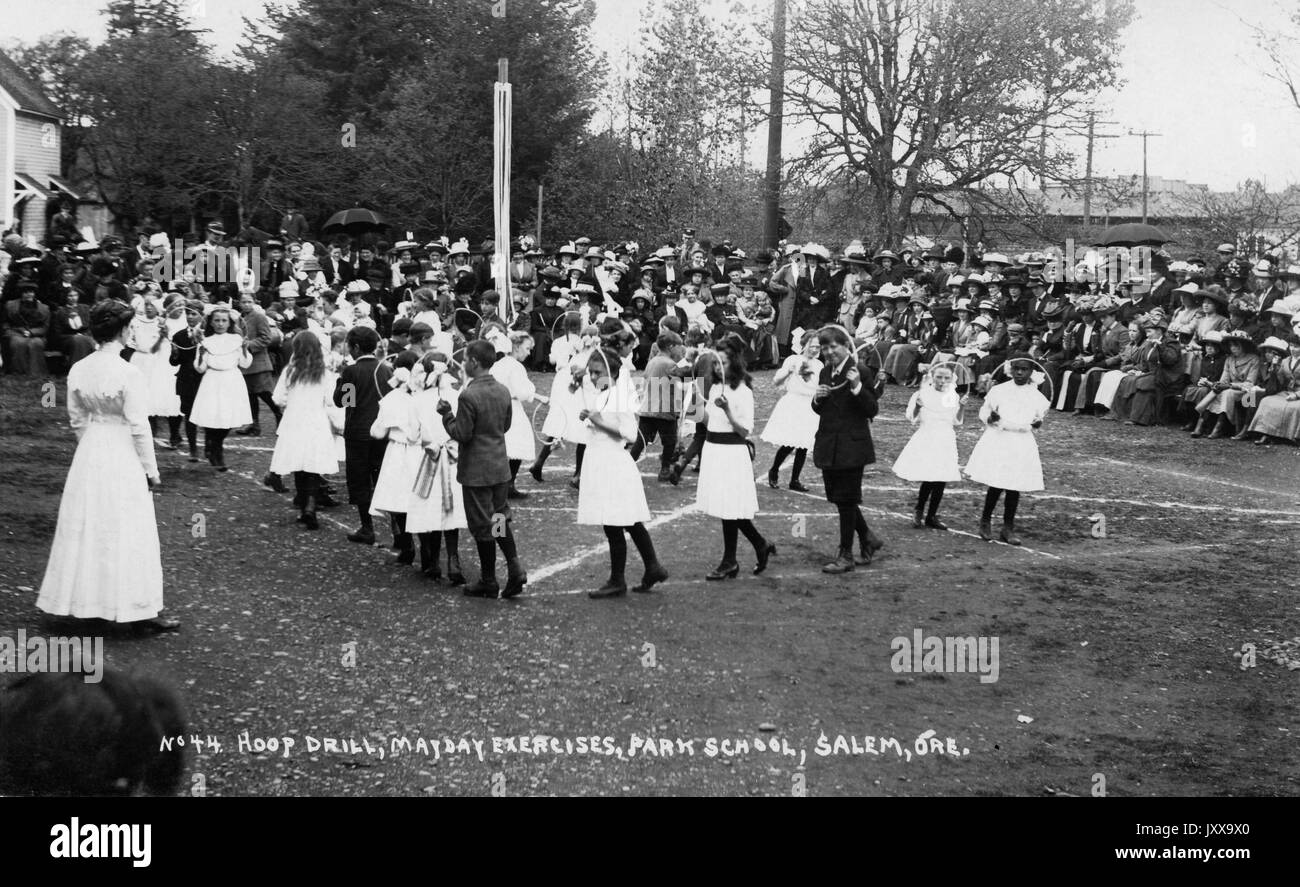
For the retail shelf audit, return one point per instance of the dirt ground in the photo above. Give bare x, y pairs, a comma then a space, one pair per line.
1116, 667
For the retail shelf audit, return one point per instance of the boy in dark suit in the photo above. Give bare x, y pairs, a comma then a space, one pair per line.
479, 426
846, 402
359, 388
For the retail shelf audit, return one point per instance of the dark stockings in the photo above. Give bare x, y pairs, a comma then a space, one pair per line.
800, 456
263, 397
730, 531
931, 491
1008, 511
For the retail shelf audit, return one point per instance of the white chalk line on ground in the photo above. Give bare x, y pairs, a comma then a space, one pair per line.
543, 573
908, 517
666, 517
876, 571
561, 486
320, 515
1185, 475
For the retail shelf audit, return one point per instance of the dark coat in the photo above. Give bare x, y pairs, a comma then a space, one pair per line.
363, 381
844, 433
479, 425
187, 377
257, 334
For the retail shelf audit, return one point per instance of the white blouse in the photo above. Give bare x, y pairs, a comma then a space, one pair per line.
102, 387
741, 399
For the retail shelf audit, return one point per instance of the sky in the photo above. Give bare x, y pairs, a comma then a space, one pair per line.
1191, 69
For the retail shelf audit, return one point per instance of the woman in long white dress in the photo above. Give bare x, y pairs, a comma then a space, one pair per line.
1006, 457
611, 495
792, 426
509, 371
436, 512
930, 456
304, 444
222, 401
106, 562
726, 490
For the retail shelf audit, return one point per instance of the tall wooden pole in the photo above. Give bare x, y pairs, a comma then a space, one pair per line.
501, 113
1087, 172
776, 85
1145, 135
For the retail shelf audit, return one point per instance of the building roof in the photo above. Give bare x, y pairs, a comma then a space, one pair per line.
25, 91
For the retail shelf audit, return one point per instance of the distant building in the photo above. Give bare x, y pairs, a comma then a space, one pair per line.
1191, 213
31, 131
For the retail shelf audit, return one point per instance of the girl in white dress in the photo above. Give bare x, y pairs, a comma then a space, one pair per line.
570, 355
1006, 457
398, 422
222, 401
726, 488
612, 495
792, 426
930, 457
106, 562
151, 342
304, 445
437, 506
509, 371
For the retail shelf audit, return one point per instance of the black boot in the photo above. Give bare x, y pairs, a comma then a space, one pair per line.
615, 586
274, 482
724, 570
843, 562
486, 586
654, 574
516, 578
428, 559
454, 575
405, 549
309, 514
1221, 429
366, 534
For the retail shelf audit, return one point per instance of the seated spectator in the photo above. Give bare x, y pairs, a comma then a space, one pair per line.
1158, 374
1210, 371
1223, 403
26, 326
70, 328
1126, 363
1278, 415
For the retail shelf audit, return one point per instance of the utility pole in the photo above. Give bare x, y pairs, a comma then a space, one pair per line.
776, 85
1087, 173
1145, 135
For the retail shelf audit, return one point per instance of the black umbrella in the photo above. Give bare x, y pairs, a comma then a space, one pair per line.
355, 221
1134, 234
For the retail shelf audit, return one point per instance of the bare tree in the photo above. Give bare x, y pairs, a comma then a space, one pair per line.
1281, 51
1250, 216
920, 99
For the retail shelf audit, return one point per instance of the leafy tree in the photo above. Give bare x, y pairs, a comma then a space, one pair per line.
146, 102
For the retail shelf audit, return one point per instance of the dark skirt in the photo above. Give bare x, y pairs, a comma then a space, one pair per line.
843, 485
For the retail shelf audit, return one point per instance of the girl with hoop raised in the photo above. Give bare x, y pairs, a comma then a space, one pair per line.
222, 399
1006, 457
612, 495
930, 457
